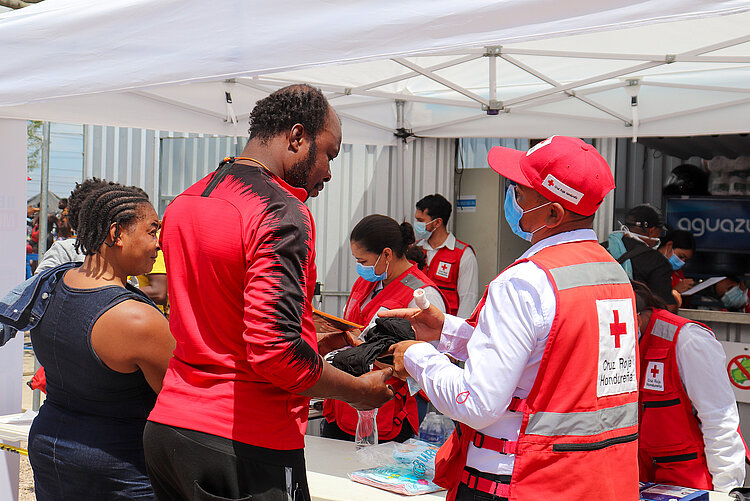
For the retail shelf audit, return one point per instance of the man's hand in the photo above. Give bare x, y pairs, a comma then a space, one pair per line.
375, 392
398, 350
329, 341
427, 324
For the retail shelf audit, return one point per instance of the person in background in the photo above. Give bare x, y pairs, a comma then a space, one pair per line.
154, 283
451, 263
105, 348
678, 246
549, 351
734, 294
634, 247
387, 280
689, 422
239, 244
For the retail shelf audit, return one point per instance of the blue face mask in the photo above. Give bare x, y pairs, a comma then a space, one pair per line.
368, 272
514, 213
420, 230
676, 262
734, 298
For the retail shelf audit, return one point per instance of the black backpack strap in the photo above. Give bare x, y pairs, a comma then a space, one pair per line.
221, 172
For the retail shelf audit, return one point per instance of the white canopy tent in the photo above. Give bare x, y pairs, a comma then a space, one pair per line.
522, 68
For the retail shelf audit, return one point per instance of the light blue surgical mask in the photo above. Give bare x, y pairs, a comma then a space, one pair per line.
514, 213
421, 231
676, 262
368, 272
735, 298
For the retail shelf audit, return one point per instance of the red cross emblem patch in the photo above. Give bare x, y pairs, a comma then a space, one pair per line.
654, 379
443, 269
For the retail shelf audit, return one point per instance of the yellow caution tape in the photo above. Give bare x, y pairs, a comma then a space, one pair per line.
10, 448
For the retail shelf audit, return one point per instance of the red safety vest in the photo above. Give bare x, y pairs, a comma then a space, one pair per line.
671, 448
443, 270
578, 437
397, 294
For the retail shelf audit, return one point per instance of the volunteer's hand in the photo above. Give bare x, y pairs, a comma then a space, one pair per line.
329, 341
398, 350
427, 324
375, 392
684, 285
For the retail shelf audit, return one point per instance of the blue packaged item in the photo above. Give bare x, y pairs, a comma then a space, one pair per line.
397, 478
418, 455
661, 492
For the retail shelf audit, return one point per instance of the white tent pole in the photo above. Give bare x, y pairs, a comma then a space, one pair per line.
581, 83
36, 398
421, 130
554, 83
365, 122
411, 74
492, 58
401, 160
392, 96
441, 80
563, 97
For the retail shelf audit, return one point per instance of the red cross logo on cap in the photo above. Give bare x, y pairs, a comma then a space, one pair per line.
550, 182
617, 328
654, 371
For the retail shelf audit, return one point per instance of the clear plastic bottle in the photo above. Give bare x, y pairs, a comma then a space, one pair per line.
367, 429
431, 429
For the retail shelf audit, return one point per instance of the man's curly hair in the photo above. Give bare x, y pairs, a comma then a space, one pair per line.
294, 104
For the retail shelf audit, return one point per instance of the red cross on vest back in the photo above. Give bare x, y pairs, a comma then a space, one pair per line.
654, 371
617, 328
444, 267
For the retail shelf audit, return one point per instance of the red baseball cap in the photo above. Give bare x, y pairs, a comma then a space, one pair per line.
562, 169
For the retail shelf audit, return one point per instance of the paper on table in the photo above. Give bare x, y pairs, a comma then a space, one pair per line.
699, 287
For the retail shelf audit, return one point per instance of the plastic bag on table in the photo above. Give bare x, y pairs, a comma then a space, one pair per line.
397, 478
406, 468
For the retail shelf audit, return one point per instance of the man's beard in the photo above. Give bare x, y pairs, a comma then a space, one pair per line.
299, 174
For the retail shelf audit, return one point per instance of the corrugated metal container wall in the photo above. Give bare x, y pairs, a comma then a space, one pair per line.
640, 176
124, 155
184, 159
365, 180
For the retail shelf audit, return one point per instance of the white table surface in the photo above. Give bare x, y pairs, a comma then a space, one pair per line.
328, 463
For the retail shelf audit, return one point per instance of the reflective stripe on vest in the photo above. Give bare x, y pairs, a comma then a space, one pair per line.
586, 274
412, 282
551, 424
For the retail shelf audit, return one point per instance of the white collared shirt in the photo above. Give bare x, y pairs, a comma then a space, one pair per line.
702, 364
468, 274
502, 355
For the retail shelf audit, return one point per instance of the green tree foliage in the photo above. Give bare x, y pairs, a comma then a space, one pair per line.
35, 141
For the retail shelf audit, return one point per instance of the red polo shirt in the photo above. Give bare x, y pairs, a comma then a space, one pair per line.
241, 268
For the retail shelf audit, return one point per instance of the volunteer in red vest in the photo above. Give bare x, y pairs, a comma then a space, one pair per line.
387, 280
451, 263
548, 396
689, 420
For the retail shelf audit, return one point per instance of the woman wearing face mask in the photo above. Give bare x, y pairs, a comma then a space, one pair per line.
688, 433
733, 294
678, 246
387, 279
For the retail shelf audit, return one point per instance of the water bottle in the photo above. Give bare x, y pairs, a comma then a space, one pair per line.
367, 429
431, 429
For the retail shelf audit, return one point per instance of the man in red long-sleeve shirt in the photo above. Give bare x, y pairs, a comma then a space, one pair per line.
240, 253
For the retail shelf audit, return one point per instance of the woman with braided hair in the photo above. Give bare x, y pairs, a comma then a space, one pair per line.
105, 347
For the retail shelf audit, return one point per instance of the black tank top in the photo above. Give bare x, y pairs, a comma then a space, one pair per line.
77, 379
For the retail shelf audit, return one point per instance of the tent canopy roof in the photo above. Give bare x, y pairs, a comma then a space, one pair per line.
524, 68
